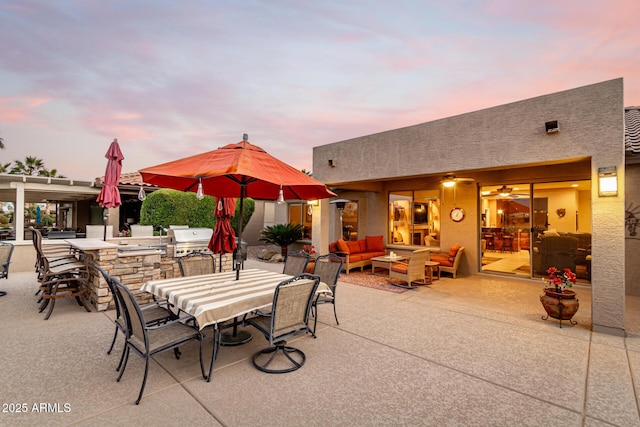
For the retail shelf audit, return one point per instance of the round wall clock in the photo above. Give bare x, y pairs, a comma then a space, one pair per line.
457, 214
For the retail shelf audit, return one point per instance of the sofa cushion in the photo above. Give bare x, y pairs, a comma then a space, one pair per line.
363, 245
354, 247
342, 246
333, 247
443, 259
356, 257
374, 244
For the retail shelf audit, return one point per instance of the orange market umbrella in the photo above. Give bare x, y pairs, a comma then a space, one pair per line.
109, 196
237, 170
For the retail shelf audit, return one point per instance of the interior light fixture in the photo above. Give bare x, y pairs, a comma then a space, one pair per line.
200, 192
141, 194
280, 196
449, 181
504, 191
607, 181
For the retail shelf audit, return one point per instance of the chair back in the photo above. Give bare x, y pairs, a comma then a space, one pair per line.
296, 263
6, 250
117, 299
132, 314
417, 260
197, 263
328, 268
291, 306
138, 230
97, 231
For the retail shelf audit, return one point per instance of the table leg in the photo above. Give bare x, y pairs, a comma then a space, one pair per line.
216, 348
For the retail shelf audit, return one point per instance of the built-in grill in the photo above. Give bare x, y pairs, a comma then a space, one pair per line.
188, 240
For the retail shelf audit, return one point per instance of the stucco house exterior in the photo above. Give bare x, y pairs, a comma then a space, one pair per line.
533, 149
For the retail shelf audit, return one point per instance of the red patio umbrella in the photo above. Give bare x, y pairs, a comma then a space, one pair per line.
237, 170
109, 196
223, 239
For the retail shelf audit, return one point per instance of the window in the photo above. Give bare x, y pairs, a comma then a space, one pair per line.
301, 213
414, 218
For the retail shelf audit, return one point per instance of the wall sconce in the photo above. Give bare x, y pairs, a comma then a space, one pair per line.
552, 126
332, 163
607, 181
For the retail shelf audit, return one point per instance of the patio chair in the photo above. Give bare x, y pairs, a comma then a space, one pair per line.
68, 280
6, 250
153, 313
146, 340
296, 263
289, 317
197, 263
411, 271
328, 268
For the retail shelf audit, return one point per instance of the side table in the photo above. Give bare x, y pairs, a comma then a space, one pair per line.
431, 265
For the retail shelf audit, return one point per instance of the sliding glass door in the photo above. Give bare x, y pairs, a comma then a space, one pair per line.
528, 228
506, 228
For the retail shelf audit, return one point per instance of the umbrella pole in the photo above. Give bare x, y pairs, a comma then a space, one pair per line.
237, 337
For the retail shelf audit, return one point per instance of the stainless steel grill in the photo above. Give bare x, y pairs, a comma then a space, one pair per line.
188, 240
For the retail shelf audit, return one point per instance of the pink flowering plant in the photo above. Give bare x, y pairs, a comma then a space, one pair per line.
559, 280
309, 249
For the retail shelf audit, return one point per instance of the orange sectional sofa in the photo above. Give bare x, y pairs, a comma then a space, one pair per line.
358, 253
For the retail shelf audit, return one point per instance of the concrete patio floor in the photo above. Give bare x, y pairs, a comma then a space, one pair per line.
469, 351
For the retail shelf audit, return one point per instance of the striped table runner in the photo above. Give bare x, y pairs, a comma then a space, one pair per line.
215, 298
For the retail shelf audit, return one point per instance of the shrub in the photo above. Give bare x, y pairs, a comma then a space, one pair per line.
282, 235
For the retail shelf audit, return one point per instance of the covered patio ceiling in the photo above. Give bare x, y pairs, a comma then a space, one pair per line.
39, 189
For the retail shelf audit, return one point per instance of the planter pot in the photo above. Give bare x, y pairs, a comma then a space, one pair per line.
560, 305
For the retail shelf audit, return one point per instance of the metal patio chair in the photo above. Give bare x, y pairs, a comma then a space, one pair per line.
328, 268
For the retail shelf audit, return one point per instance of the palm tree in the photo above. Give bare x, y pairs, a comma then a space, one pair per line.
53, 173
31, 166
1, 143
282, 235
4, 168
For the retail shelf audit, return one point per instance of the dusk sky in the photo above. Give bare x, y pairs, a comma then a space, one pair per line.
171, 79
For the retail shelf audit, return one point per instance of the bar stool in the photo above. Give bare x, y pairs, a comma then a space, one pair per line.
507, 243
489, 237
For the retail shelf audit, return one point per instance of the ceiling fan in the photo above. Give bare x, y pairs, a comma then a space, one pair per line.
451, 180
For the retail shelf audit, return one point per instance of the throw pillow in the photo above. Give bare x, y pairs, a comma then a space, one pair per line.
342, 246
374, 244
333, 247
354, 247
454, 250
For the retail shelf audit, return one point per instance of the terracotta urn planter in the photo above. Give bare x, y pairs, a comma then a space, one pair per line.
561, 305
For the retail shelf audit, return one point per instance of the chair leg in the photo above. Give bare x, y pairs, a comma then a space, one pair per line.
335, 313
144, 379
115, 335
124, 350
125, 357
177, 352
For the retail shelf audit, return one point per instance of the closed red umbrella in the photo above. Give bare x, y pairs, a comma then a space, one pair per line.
237, 170
223, 240
109, 196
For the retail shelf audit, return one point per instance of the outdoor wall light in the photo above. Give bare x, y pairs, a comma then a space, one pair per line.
141, 194
200, 192
280, 196
607, 181
552, 126
332, 163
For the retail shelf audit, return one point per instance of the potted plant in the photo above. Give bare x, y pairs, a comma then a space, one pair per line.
282, 235
558, 300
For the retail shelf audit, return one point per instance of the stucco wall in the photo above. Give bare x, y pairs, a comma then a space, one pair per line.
632, 229
591, 126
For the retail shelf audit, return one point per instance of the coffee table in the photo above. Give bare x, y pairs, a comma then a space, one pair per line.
384, 262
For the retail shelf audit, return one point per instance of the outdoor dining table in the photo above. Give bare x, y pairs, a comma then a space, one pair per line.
213, 299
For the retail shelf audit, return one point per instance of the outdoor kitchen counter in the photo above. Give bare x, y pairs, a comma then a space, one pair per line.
131, 268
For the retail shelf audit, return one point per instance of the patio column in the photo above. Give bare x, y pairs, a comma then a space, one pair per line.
18, 212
